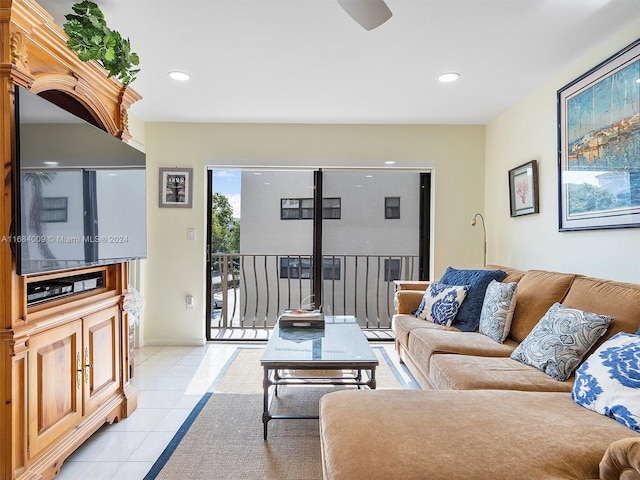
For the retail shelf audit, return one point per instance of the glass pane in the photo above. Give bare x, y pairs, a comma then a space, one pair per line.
371, 253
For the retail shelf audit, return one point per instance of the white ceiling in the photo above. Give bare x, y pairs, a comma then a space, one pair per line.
307, 61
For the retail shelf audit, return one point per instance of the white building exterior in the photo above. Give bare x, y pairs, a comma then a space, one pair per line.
361, 243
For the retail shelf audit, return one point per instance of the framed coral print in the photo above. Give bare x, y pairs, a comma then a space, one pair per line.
523, 189
599, 145
176, 187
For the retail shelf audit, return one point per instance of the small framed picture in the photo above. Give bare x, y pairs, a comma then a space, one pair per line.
523, 189
176, 188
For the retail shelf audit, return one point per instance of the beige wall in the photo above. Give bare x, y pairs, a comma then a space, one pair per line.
175, 266
526, 132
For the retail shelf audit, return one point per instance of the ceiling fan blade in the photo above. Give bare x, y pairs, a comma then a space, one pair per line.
368, 13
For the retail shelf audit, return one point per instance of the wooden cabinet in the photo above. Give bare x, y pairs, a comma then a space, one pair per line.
101, 356
55, 385
64, 363
72, 374
73, 369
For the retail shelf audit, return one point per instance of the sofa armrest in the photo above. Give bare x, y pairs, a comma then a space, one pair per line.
407, 301
621, 461
411, 284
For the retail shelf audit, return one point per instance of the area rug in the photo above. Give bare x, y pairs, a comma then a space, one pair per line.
223, 436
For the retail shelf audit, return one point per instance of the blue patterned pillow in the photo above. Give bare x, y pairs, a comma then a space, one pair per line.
468, 317
561, 338
608, 382
497, 310
440, 303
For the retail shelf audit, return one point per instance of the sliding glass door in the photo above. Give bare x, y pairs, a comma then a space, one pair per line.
304, 238
371, 234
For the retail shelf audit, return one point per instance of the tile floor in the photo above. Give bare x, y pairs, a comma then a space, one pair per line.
170, 381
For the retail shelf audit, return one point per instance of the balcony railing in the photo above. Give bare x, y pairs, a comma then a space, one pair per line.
249, 291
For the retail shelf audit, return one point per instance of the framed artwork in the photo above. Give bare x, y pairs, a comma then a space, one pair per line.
523, 189
176, 188
599, 145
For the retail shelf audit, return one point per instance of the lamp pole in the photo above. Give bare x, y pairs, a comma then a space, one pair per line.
474, 222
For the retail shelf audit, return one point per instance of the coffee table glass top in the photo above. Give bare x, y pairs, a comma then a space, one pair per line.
341, 340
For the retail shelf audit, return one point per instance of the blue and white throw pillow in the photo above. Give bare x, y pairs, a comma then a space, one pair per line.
608, 382
497, 310
560, 340
440, 303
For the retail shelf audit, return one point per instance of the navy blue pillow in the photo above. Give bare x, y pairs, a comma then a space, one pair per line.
468, 317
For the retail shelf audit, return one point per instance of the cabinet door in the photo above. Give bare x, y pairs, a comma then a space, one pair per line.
101, 356
55, 384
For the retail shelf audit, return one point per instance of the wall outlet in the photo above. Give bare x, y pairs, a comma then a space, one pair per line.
191, 302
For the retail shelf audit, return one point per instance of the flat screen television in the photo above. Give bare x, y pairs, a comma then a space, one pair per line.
80, 192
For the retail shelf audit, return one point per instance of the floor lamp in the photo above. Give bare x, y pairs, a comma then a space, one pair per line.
474, 222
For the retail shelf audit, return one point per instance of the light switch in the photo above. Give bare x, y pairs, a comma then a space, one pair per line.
191, 233
191, 303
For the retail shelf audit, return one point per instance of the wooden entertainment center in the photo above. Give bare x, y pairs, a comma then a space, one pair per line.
64, 361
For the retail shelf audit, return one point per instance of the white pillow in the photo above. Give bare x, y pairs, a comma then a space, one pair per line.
608, 382
441, 303
497, 310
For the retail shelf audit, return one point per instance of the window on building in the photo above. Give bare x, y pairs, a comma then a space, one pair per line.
302, 208
391, 207
391, 269
331, 268
300, 267
54, 209
295, 267
331, 208
296, 208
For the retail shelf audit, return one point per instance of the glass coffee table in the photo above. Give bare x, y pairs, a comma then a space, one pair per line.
296, 357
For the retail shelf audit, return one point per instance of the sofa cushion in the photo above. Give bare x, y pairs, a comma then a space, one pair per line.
537, 291
560, 340
405, 324
424, 343
619, 300
608, 382
468, 372
497, 310
468, 316
479, 435
441, 303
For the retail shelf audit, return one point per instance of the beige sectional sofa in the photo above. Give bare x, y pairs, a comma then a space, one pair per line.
482, 414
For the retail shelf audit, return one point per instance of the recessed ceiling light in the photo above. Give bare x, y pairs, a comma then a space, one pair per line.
368, 176
51, 163
448, 77
180, 76
390, 162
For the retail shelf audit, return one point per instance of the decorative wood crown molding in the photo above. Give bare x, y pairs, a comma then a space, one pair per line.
39, 59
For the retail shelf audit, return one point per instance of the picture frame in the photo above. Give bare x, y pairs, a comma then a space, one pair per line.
599, 146
176, 189
523, 189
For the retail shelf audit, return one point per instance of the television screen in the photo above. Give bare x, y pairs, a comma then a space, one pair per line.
80, 196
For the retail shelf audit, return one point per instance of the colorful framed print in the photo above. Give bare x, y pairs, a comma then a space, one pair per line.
599, 145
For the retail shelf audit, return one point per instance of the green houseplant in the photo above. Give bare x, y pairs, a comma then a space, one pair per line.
90, 36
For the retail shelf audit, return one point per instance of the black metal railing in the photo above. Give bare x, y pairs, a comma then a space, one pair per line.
250, 290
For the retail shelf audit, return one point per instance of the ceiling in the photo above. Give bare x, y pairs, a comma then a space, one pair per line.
307, 61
